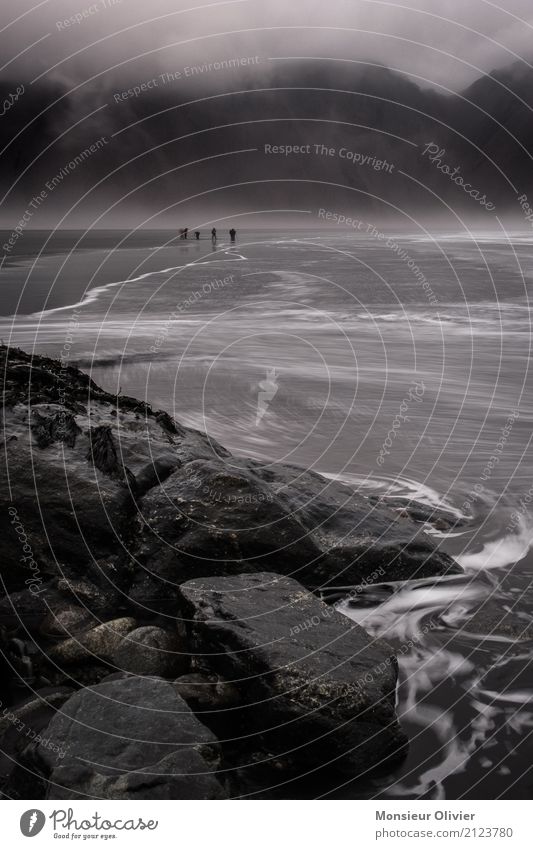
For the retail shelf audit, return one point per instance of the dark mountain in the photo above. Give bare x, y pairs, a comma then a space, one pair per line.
173, 139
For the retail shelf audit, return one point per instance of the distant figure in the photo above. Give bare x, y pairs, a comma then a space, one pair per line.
183, 232
197, 234
232, 234
214, 234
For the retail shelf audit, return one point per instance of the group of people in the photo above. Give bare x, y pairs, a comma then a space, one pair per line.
184, 234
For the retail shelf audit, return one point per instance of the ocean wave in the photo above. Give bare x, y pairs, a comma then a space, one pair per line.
94, 294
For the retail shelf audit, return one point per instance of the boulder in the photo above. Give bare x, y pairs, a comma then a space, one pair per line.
178, 776
98, 643
315, 687
129, 738
152, 651
64, 510
362, 541
67, 621
208, 519
84, 593
227, 516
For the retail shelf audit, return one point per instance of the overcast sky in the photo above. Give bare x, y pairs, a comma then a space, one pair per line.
446, 42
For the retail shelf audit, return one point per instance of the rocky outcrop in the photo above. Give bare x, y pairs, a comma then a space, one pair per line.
136, 548
115, 491
81, 458
314, 686
235, 515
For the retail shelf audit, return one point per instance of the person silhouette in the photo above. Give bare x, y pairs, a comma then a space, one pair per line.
213, 234
232, 234
197, 234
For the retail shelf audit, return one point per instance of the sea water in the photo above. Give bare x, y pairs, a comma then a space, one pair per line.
400, 365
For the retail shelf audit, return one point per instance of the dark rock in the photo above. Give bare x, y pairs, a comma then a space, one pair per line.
27, 376
99, 643
26, 610
86, 674
103, 453
62, 512
18, 673
64, 429
130, 738
315, 687
154, 474
207, 693
59, 427
155, 590
152, 651
207, 517
84, 593
74, 500
41, 427
21, 726
167, 422
57, 609
178, 776
222, 518
361, 542
118, 483
8, 672
67, 621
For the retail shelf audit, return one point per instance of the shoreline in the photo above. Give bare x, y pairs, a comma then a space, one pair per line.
144, 520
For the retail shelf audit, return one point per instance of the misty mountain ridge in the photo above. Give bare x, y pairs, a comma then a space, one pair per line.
365, 111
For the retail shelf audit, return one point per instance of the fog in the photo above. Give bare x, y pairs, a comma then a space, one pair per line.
187, 94
448, 43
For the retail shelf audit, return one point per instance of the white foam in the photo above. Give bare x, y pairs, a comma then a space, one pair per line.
504, 551
94, 294
410, 490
